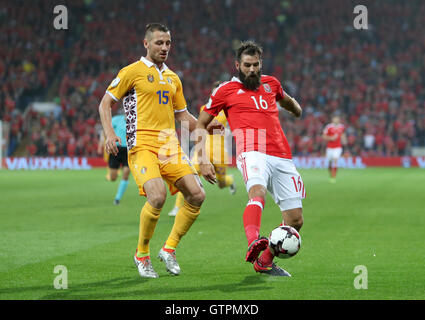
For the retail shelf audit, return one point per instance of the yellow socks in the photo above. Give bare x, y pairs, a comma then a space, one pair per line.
229, 180
148, 219
182, 223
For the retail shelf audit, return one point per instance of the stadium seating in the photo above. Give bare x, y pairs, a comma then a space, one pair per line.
374, 78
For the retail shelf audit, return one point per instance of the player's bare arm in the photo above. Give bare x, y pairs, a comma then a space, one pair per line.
291, 105
186, 119
205, 166
106, 118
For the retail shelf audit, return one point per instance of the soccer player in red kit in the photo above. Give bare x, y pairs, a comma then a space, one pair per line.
334, 134
263, 153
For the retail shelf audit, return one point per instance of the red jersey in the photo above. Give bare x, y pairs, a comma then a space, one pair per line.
253, 116
332, 129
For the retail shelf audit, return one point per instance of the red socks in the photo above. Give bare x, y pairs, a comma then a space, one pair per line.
252, 218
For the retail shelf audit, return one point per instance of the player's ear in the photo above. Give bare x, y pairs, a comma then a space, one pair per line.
145, 43
237, 64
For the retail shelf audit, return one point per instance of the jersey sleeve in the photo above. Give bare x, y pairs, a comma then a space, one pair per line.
280, 94
216, 102
179, 101
121, 84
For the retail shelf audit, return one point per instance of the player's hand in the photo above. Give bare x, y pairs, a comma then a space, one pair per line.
111, 144
215, 127
208, 172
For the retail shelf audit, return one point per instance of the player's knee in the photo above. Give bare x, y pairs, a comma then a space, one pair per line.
298, 222
257, 191
157, 200
196, 198
294, 218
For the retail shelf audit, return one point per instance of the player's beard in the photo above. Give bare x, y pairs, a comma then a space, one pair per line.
251, 82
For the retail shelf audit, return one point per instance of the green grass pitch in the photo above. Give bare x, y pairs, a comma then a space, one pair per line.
373, 218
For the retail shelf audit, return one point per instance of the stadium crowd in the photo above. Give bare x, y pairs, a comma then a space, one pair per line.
374, 78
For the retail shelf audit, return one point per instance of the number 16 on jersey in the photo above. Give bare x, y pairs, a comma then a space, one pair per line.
299, 185
263, 103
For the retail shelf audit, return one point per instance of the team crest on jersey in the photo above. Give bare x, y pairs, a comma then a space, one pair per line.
169, 80
143, 170
267, 88
150, 78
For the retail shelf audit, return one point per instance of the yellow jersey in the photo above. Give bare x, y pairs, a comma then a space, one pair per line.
150, 97
221, 117
215, 143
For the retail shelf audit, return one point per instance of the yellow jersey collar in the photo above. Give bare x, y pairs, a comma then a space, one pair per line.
150, 64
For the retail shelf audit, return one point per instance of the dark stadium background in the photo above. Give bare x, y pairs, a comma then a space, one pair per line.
374, 78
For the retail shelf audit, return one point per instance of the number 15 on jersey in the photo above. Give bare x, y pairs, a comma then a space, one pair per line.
162, 96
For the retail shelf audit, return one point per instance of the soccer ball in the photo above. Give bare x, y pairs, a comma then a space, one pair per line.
284, 242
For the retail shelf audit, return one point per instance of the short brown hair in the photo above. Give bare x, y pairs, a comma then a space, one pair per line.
155, 26
250, 48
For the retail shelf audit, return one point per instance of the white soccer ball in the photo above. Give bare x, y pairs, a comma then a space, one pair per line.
284, 242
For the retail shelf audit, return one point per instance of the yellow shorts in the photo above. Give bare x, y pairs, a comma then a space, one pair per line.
218, 158
146, 165
105, 156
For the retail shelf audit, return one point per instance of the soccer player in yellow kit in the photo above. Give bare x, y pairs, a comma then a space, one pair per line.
153, 98
215, 149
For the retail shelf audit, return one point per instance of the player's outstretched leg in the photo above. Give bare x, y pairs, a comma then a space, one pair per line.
264, 264
252, 223
271, 269
255, 249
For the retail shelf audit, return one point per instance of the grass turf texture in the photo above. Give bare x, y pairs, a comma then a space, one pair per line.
371, 217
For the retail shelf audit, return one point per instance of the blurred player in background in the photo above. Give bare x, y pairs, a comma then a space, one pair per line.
115, 162
153, 98
263, 154
334, 134
215, 148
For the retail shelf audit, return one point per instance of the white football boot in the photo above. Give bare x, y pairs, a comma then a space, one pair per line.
170, 261
144, 266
